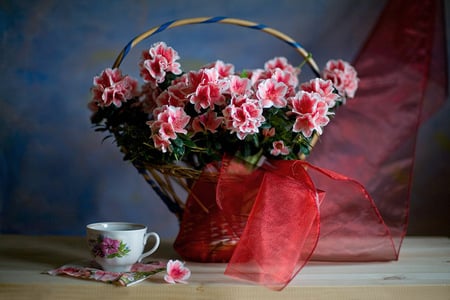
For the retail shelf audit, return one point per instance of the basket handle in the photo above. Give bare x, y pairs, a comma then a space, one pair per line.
222, 20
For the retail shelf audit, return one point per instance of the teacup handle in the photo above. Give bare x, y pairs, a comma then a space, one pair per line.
149, 252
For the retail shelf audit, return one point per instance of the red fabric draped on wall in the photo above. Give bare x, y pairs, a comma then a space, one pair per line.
403, 75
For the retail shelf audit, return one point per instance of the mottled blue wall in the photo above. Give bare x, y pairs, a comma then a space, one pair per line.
56, 176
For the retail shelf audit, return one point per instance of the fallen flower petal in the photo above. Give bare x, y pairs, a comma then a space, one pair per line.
177, 272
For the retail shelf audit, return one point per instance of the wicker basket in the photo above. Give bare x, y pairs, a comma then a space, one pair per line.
205, 234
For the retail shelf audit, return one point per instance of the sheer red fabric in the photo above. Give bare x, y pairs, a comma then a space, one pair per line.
279, 216
295, 205
403, 81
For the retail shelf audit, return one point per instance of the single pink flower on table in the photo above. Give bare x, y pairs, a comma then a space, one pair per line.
279, 148
176, 272
343, 75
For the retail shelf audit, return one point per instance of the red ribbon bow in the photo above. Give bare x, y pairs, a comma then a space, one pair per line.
287, 204
270, 221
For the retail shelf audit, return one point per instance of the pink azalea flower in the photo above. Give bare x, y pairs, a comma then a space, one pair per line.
240, 86
223, 69
209, 91
272, 93
148, 97
207, 122
176, 272
324, 88
279, 148
166, 131
163, 99
174, 95
157, 61
160, 143
193, 79
281, 63
258, 75
156, 68
288, 78
243, 116
170, 120
174, 116
343, 75
111, 87
206, 96
177, 94
268, 132
171, 56
311, 113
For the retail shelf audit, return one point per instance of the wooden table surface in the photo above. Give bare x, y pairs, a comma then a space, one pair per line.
422, 272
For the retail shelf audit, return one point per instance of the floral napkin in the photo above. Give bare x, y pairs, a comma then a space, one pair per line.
89, 270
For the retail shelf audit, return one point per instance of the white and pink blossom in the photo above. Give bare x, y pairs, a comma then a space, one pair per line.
240, 86
279, 148
223, 69
281, 63
288, 78
310, 113
343, 75
209, 91
243, 116
272, 93
157, 61
177, 272
111, 87
174, 116
169, 120
160, 143
208, 121
324, 88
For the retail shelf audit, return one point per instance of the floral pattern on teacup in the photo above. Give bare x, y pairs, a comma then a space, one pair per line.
107, 247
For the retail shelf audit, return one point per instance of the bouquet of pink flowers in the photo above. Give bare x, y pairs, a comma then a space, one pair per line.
199, 116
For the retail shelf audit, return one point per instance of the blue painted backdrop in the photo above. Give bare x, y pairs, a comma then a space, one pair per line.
56, 176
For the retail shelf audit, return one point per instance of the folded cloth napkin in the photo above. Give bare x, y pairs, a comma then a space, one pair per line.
91, 271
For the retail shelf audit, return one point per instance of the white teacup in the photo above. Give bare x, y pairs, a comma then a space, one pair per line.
116, 246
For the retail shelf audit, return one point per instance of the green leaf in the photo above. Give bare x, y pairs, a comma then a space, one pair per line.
244, 74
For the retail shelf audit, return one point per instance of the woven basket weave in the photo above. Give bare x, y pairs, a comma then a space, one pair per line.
164, 177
